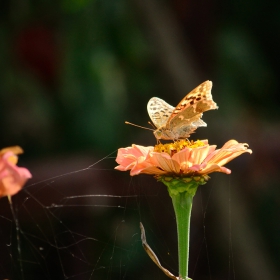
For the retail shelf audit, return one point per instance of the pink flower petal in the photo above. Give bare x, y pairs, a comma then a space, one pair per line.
198, 160
127, 157
165, 162
228, 152
215, 168
12, 177
183, 158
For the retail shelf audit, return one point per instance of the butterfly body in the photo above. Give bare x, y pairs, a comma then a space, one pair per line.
179, 122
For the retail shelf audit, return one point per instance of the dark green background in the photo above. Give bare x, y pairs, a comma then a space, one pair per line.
73, 71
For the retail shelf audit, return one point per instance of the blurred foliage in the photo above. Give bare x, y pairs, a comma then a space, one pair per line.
74, 71
69, 74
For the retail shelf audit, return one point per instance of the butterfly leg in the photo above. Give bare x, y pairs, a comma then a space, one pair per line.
158, 141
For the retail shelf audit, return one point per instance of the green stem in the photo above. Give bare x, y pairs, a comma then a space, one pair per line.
182, 190
182, 203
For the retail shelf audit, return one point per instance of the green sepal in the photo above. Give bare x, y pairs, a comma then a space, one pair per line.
176, 185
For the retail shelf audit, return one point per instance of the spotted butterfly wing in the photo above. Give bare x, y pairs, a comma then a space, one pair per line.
179, 122
159, 111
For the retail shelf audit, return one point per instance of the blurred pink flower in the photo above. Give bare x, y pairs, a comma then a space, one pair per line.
12, 177
181, 158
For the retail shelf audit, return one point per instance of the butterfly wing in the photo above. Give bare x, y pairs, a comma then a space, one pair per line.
159, 111
184, 130
189, 111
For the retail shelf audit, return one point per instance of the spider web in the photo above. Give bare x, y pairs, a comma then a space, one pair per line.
85, 225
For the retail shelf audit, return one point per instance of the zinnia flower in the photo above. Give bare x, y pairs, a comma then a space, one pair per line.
12, 177
182, 158
182, 166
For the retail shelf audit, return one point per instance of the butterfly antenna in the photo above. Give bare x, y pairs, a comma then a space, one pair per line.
138, 125
152, 125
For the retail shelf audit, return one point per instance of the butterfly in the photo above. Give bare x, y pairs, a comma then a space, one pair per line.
179, 122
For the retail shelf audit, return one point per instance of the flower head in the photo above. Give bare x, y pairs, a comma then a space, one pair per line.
12, 177
182, 158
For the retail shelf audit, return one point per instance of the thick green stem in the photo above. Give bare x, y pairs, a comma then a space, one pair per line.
182, 191
182, 203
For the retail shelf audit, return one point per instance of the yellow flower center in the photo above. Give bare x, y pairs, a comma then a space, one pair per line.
177, 146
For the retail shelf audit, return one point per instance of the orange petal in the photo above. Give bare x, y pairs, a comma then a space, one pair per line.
165, 162
214, 168
12, 177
